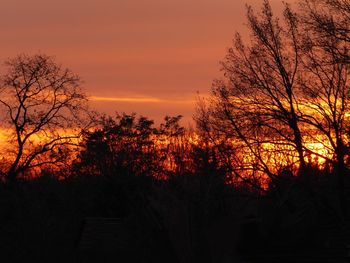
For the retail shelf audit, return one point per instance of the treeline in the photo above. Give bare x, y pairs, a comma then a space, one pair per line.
282, 105
177, 196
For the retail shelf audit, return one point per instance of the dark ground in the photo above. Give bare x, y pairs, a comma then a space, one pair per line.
184, 220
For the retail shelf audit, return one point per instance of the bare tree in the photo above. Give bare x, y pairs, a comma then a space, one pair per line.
285, 91
325, 82
256, 106
42, 106
328, 20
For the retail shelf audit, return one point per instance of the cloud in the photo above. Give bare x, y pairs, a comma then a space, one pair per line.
125, 99
139, 100
166, 50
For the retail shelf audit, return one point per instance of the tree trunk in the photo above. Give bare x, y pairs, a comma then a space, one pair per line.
298, 140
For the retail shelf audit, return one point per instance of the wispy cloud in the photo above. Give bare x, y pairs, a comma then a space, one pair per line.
126, 99
138, 100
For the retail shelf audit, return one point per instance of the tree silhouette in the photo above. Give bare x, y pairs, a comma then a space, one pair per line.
328, 20
284, 90
43, 106
122, 145
325, 79
126, 145
256, 105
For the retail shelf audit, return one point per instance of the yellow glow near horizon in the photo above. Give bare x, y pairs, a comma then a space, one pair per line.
5, 135
274, 155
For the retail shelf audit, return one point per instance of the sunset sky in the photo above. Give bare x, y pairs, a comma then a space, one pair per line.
144, 56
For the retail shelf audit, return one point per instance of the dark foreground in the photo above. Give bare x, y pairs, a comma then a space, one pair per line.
195, 219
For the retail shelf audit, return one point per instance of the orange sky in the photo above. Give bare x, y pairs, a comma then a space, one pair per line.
146, 56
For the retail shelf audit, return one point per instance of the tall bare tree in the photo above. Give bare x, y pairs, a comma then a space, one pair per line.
42, 106
256, 104
325, 81
286, 90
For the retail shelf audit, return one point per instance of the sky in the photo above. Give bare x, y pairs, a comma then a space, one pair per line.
151, 57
